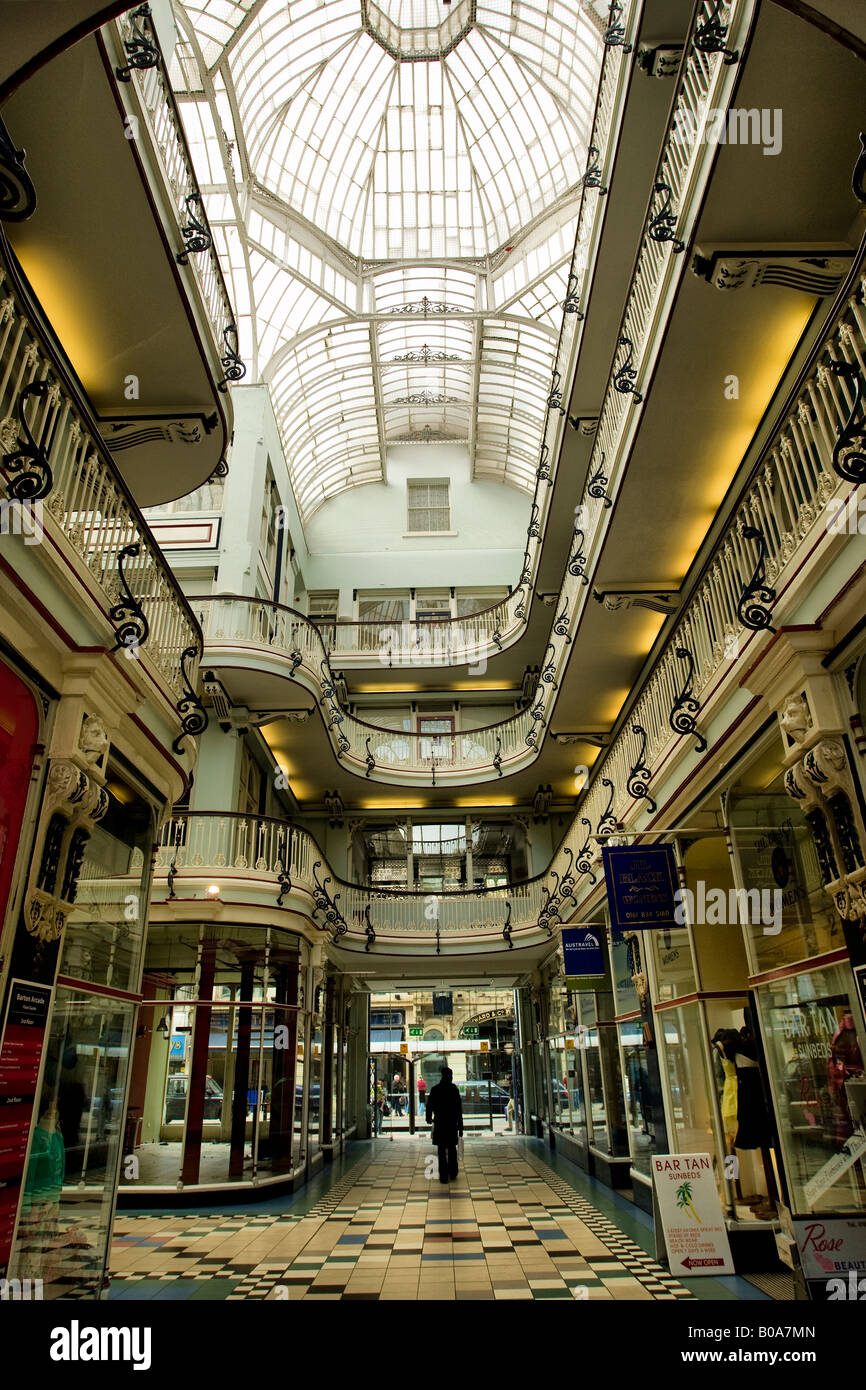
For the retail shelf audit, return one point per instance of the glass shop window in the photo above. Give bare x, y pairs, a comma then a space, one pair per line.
68, 1195
815, 1046
642, 1098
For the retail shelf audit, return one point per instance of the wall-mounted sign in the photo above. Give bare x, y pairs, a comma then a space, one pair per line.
691, 1214
831, 1246
416, 1032
177, 1048
582, 951
641, 886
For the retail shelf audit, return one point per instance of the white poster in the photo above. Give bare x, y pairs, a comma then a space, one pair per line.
691, 1214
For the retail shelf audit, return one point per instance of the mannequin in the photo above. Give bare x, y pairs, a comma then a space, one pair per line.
753, 1123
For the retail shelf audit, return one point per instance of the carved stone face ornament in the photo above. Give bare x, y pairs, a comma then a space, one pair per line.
795, 719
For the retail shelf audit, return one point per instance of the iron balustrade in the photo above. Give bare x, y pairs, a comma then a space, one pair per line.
51, 452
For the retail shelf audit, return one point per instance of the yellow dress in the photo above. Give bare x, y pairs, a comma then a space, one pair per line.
729, 1097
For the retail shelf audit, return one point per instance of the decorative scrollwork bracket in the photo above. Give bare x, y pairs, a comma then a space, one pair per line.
141, 51
196, 235
710, 37
614, 34
685, 707
753, 605
17, 194
231, 363
131, 627
624, 376
193, 715
31, 478
663, 223
639, 775
849, 460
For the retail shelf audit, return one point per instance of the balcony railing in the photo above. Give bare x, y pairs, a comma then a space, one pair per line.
54, 464
145, 68
378, 753
288, 859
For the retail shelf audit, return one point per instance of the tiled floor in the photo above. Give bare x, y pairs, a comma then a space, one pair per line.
509, 1227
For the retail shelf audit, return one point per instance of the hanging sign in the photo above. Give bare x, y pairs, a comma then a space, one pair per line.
641, 887
691, 1214
582, 952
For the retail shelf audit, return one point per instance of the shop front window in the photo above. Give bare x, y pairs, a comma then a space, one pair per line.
643, 1102
75, 1145
815, 1055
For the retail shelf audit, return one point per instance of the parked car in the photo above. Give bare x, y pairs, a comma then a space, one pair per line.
175, 1098
474, 1097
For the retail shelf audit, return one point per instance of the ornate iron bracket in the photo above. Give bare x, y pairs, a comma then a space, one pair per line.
326, 680
614, 34
624, 377
598, 483
196, 235
17, 194
131, 627
607, 820
438, 947
297, 660
548, 671
710, 37
520, 606
368, 929
560, 627
584, 854
577, 563
663, 224
569, 882
554, 400
859, 174
851, 467
34, 481
532, 530
592, 177
193, 715
639, 776
497, 757
542, 473
685, 707
753, 605
369, 759
231, 364
506, 930
141, 51
285, 886
571, 303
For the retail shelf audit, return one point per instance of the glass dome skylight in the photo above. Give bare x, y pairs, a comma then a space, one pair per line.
384, 174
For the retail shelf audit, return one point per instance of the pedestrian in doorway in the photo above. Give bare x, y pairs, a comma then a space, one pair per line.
379, 1106
422, 1095
445, 1114
399, 1089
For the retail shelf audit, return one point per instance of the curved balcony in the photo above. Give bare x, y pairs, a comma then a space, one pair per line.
256, 854
53, 461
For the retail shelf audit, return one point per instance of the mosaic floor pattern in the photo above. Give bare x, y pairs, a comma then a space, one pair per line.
507, 1228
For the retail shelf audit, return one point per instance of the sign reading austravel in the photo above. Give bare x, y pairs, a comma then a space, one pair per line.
582, 951
641, 886
691, 1214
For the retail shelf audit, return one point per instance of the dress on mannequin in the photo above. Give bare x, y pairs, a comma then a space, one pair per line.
845, 1062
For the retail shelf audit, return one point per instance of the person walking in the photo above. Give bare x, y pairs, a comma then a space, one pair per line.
399, 1091
422, 1095
445, 1114
379, 1106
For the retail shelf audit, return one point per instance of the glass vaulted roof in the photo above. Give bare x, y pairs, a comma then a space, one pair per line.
393, 187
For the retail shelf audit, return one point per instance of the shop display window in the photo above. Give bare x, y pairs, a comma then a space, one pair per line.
674, 963
621, 964
779, 864
815, 1045
75, 1146
642, 1098
105, 931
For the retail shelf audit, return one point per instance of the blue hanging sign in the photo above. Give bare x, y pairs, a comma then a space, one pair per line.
177, 1047
582, 951
641, 887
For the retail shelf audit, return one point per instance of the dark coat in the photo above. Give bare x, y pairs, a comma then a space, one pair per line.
445, 1113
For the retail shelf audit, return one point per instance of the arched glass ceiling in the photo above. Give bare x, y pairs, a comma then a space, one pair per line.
393, 185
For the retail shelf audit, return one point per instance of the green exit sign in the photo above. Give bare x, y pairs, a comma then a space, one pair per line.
416, 1032
471, 1031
